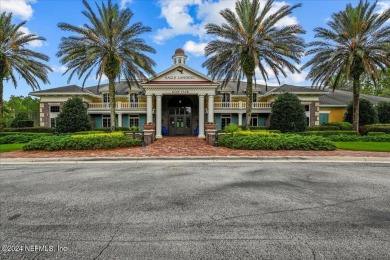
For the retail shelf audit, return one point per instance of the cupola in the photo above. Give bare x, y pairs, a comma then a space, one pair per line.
179, 57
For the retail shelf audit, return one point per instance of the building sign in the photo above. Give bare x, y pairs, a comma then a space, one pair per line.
180, 92
180, 77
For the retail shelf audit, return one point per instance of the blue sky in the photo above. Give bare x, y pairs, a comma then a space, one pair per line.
175, 24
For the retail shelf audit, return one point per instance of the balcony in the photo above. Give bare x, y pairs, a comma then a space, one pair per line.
241, 105
118, 106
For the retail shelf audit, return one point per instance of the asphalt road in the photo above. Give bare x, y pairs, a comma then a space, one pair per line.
195, 210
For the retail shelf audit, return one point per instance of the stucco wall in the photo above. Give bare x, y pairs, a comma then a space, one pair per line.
336, 113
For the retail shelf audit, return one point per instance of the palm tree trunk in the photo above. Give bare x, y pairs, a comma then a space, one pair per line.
356, 92
1, 97
111, 88
249, 95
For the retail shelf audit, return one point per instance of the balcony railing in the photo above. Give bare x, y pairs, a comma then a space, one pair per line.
241, 104
118, 105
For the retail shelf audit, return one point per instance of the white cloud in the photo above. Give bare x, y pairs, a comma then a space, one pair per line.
103, 79
60, 69
291, 78
125, 2
194, 48
383, 5
181, 21
20, 8
33, 44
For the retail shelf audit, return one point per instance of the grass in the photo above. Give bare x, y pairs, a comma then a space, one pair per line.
10, 147
364, 146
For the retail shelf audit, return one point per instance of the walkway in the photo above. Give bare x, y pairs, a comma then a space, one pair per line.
183, 147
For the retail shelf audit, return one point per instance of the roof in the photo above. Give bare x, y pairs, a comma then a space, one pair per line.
64, 89
342, 98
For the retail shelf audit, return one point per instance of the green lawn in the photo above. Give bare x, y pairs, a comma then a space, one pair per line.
10, 147
364, 146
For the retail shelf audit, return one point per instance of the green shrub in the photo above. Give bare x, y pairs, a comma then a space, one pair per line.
378, 128
288, 114
232, 128
367, 113
383, 109
359, 138
278, 142
82, 142
25, 123
340, 125
36, 129
20, 138
258, 127
322, 128
328, 133
88, 132
258, 133
73, 117
376, 133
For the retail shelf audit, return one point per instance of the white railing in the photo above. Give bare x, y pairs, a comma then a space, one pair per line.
241, 104
118, 105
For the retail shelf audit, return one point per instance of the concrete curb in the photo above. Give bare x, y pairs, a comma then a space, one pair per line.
226, 159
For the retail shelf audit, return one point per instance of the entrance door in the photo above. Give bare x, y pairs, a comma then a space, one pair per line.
180, 120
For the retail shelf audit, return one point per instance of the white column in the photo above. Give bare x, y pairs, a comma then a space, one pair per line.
149, 109
239, 118
119, 119
211, 109
158, 116
201, 117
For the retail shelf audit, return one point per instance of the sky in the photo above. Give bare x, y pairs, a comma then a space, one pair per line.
175, 24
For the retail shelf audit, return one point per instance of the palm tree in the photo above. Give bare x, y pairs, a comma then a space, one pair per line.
251, 39
16, 58
109, 46
357, 43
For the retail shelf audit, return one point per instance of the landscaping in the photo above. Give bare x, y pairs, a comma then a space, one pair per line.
364, 146
10, 147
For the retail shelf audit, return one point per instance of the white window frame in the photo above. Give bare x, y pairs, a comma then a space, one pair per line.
226, 97
255, 116
53, 122
133, 117
227, 118
254, 97
106, 98
106, 120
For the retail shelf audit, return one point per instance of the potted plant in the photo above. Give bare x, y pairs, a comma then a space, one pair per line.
149, 126
211, 126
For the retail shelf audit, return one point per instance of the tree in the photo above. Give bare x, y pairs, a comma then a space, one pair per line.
367, 113
357, 43
109, 45
288, 114
15, 58
73, 117
383, 109
251, 39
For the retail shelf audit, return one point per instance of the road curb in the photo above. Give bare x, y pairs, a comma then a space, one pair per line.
200, 158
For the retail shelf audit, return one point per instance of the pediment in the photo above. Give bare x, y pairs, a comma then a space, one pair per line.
179, 74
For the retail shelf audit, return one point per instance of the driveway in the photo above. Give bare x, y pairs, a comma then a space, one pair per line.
194, 210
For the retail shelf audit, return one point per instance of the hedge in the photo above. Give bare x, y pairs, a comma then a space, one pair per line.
322, 128
82, 142
328, 133
340, 125
359, 138
20, 138
37, 129
278, 142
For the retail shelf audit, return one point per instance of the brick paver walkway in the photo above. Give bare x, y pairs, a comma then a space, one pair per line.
183, 147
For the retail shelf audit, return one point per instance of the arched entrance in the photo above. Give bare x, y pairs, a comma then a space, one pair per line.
180, 115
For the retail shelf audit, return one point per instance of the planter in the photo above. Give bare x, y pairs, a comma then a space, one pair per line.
149, 127
211, 126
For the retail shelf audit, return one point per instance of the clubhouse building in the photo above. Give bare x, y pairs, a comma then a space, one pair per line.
180, 101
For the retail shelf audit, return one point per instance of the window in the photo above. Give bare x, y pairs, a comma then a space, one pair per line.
52, 122
54, 109
226, 120
324, 118
106, 98
225, 97
254, 97
254, 120
307, 108
133, 120
106, 121
134, 98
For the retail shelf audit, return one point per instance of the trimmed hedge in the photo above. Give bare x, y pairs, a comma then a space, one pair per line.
359, 138
328, 133
278, 142
20, 138
341, 125
378, 128
37, 129
258, 127
322, 128
108, 129
82, 142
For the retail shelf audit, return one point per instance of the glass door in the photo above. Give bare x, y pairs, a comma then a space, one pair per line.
180, 120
